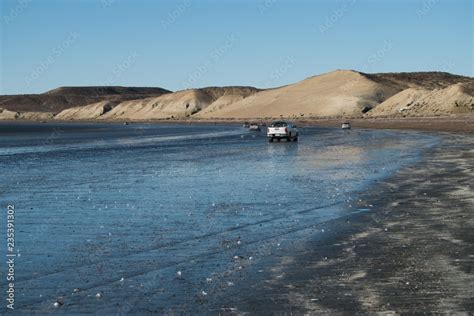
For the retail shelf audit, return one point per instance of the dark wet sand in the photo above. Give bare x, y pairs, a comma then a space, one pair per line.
412, 253
460, 124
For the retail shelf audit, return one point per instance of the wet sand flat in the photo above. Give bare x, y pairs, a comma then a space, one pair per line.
412, 253
214, 219
459, 123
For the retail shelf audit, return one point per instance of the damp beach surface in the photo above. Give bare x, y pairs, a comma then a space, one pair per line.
170, 218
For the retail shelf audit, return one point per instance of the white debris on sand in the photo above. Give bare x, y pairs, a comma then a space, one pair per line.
59, 302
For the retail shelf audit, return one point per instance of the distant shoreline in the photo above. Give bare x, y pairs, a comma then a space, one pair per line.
458, 124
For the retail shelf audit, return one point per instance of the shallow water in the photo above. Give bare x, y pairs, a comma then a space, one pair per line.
119, 210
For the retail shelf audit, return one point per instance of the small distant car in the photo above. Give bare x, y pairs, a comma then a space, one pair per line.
254, 127
346, 125
282, 130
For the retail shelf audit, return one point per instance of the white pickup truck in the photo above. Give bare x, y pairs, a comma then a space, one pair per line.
282, 130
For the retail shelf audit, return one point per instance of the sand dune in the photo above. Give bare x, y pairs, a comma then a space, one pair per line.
88, 112
35, 116
63, 98
29, 116
454, 99
338, 93
8, 115
180, 104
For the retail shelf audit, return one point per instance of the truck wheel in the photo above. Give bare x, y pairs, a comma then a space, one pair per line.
278, 139
288, 139
270, 139
296, 138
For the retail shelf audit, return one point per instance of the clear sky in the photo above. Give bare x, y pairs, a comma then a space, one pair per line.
264, 43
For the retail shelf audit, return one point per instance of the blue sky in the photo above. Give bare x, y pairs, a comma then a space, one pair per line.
264, 43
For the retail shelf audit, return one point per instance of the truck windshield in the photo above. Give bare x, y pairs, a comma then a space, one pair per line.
279, 124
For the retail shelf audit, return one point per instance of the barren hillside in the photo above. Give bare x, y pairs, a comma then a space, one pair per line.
180, 104
337, 94
66, 97
346, 93
454, 99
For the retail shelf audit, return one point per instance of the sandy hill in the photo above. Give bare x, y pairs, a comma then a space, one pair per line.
66, 97
8, 115
454, 99
423, 80
87, 112
346, 93
106, 90
180, 104
338, 93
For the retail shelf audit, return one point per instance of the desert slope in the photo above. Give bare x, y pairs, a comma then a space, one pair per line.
429, 80
180, 104
334, 94
454, 99
346, 93
337, 94
66, 97
8, 115
87, 112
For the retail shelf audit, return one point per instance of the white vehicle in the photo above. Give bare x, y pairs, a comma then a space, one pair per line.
254, 127
346, 125
282, 130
